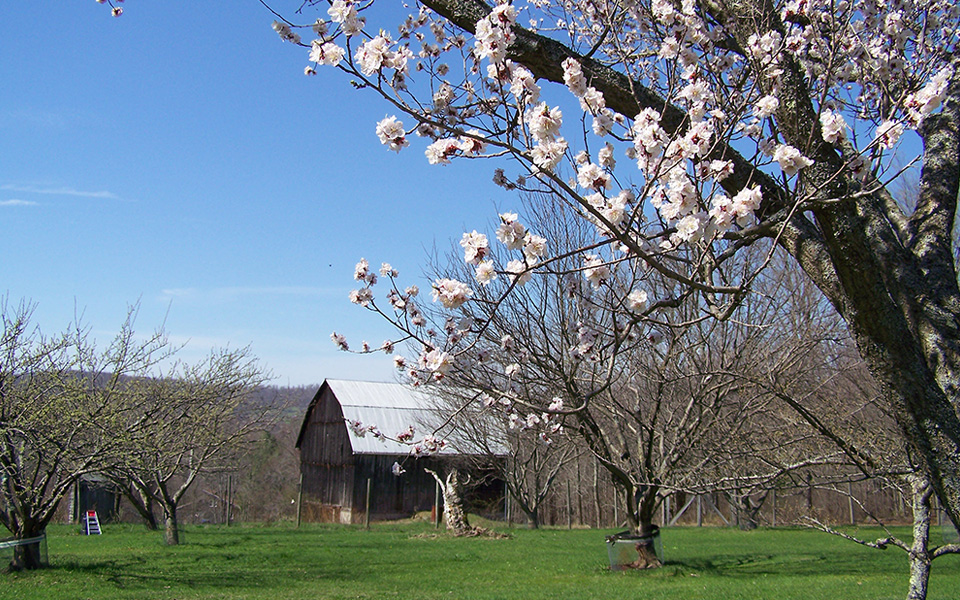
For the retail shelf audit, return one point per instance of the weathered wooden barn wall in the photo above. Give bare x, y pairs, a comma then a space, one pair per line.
336, 467
393, 497
326, 461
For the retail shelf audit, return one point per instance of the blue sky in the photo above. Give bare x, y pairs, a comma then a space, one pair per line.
177, 156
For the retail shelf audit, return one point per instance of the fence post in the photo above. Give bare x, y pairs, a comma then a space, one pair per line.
229, 498
853, 519
366, 512
299, 499
596, 493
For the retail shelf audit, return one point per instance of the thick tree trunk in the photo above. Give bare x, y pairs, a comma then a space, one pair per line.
533, 517
646, 548
643, 526
920, 558
919, 576
27, 556
454, 514
168, 502
453, 509
171, 528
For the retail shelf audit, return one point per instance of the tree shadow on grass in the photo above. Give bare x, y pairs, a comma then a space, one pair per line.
753, 565
231, 572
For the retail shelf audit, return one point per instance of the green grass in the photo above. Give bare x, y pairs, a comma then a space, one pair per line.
407, 560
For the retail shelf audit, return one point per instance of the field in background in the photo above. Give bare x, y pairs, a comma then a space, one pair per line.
411, 560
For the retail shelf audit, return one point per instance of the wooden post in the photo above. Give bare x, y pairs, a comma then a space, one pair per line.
853, 519
699, 512
569, 508
579, 487
75, 498
506, 503
596, 492
366, 511
299, 499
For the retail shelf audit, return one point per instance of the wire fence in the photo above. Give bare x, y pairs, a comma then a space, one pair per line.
35, 545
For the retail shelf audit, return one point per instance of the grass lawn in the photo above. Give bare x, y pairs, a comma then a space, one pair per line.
407, 560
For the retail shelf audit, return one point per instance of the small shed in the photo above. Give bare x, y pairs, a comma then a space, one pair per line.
95, 492
335, 463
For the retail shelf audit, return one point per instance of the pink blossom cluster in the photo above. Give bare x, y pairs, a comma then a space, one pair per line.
494, 33
450, 292
361, 430
428, 446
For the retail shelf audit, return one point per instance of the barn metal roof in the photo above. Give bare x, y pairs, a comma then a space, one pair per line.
392, 408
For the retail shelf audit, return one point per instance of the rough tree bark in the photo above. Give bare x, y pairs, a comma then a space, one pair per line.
169, 503
920, 556
453, 512
27, 556
171, 528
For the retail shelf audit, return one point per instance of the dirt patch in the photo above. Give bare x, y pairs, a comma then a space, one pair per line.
479, 532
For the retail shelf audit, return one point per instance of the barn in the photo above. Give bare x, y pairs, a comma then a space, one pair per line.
336, 464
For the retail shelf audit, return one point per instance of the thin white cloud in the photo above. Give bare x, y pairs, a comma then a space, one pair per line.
179, 292
17, 202
59, 191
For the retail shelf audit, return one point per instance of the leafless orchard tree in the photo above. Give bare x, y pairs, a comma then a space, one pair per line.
531, 471
64, 413
199, 416
666, 405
